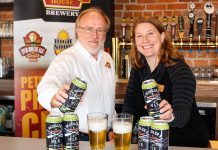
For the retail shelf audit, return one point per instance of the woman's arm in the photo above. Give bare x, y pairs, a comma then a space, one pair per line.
183, 93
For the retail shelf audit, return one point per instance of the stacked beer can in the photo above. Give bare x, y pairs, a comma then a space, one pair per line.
63, 132
153, 134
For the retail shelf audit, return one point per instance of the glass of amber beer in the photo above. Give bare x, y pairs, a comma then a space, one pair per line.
97, 125
122, 128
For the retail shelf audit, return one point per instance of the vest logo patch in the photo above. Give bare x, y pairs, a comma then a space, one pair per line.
161, 87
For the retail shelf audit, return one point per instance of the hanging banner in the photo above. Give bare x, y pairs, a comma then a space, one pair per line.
42, 30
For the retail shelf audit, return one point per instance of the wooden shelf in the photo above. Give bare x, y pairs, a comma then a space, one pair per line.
7, 6
5, 132
6, 37
7, 88
204, 89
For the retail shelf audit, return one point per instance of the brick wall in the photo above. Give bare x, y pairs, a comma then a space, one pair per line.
157, 8
169, 8
6, 44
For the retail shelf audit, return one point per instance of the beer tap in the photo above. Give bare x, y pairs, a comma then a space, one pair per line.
199, 22
173, 29
123, 25
165, 22
122, 62
181, 31
191, 16
123, 29
209, 9
131, 30
216, 44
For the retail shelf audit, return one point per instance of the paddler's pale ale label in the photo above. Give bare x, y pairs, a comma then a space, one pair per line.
71, 131
77, 89
144, 128
159, 135
54, 133
152, 97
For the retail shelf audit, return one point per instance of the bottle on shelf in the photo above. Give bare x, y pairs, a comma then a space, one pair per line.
1, 68
9, 118
2, 117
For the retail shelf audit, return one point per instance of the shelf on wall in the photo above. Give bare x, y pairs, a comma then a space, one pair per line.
6, 89
5, 132
10, 37
6, 6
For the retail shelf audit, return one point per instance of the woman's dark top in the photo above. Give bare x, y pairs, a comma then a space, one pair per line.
179, 85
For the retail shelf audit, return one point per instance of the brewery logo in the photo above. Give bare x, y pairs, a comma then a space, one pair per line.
108, 65
62, 42
33, 49
161, 87
64, 7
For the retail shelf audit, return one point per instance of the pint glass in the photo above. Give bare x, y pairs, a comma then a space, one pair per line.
97, 125
122, 128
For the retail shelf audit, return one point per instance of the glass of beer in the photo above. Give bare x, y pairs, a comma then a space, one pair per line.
97, 125
122, 128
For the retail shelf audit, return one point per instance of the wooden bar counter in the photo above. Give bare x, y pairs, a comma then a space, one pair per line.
18, 143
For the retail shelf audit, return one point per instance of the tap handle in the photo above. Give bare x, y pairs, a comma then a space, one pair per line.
199, 22
131, 28
123, 25
181, 23
209, 9
181, 27
192, 18
208, 26
165, 22
173, 28
216, 23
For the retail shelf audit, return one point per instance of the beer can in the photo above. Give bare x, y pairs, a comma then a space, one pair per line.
144, 127
54, 133
159, 135
152, 97
77, 89
71, 131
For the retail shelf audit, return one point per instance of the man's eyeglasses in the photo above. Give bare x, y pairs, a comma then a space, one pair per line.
90, 30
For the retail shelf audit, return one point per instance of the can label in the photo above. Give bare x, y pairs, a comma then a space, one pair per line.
54, 133
71, 131
152, 97
159, 135
71, 103
144, 128
77, 89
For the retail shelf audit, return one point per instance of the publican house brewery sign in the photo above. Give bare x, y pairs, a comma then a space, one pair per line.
64, 7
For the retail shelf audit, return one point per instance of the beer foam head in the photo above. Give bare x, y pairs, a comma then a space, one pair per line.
122, 127
97, 125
